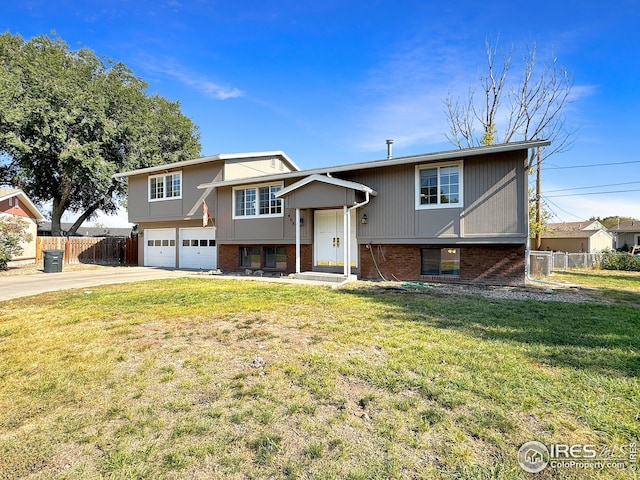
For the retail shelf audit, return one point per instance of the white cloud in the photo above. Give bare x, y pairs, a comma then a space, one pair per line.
197, 81
404, 97
209, 88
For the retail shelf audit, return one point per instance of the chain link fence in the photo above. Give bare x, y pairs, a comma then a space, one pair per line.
544, 263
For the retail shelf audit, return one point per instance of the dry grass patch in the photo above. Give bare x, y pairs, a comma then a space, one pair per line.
202, 378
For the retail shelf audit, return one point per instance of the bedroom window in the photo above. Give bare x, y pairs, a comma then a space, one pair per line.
165, 186
257, 201
439, 186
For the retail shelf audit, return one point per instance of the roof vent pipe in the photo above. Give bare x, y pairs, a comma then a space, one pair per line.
389, 149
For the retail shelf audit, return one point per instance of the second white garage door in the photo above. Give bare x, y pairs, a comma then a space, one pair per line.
198, 248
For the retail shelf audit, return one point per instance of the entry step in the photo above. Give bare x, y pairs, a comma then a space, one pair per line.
320, 277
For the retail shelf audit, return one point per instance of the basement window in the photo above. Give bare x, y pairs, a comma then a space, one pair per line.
440, 261
250, 257
275, 257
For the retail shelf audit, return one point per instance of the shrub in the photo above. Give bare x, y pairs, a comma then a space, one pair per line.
612, 260
13, 231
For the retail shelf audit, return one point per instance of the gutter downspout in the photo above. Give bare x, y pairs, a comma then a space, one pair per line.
348, 239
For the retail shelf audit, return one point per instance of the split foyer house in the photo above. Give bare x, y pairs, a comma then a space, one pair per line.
458, 215
15, 203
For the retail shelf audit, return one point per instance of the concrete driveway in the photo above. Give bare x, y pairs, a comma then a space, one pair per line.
16, 286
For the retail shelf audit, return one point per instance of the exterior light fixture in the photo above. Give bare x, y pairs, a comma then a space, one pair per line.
364, 219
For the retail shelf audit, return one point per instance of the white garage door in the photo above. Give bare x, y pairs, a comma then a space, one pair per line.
198, 248
160, 247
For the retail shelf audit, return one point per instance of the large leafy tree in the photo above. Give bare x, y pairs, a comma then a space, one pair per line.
69, 120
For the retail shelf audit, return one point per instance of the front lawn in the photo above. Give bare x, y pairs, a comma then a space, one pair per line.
210, 378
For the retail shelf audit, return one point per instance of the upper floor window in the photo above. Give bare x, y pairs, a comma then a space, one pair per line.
165, 186
257, 201
439, 186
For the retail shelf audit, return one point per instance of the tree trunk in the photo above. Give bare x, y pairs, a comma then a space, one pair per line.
91, 210
56, 216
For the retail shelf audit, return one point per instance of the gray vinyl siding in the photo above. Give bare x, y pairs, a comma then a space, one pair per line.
185, 208
390, 214
494, 205
494, 197
320, 195
258, 230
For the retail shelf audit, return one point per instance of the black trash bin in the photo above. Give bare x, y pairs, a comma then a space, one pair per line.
53, 260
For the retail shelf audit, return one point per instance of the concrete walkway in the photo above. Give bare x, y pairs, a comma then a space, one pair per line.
17, 286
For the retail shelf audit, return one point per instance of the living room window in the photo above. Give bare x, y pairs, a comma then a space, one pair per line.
440, 261
165, 186
439, 186
257, 201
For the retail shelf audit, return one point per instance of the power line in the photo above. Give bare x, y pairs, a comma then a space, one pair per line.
592, 193
595, 186
560, 208
593, 165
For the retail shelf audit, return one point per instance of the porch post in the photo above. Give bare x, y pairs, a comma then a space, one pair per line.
345, 243
297, 240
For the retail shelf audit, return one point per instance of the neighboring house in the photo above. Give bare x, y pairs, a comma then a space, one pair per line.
459, 215
589, 236
16, 203
44, 230
626, 233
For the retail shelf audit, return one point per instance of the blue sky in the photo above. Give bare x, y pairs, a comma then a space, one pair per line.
329, 81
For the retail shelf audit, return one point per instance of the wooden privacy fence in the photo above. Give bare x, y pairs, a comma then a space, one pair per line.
98, 250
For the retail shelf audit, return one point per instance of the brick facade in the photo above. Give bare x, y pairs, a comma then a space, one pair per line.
486, 264
229, 257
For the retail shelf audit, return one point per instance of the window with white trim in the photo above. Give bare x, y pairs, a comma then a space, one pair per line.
165, 186
439, 186
257, 201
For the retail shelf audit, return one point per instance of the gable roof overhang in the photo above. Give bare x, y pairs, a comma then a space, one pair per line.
389, 162
212, 158
329, 181
7, 193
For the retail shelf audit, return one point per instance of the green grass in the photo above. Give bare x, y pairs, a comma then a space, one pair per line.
210, 378
617, 286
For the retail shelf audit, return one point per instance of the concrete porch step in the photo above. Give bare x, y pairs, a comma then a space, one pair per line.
320, 277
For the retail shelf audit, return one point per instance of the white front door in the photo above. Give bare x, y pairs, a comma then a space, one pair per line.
198, 248
160, 247
329, 239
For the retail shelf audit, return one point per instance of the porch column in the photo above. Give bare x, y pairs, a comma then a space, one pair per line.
297, 240
345, 243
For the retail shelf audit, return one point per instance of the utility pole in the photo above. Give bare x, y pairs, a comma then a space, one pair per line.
538, 203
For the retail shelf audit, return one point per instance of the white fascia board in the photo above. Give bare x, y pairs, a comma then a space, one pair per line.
427, 157
212, 158
26, 201
328, 180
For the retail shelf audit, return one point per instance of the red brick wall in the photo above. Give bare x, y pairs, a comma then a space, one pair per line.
486, 264
493, 265
229, 257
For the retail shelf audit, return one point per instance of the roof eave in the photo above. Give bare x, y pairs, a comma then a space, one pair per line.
428, 157
211, 158
30, 205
